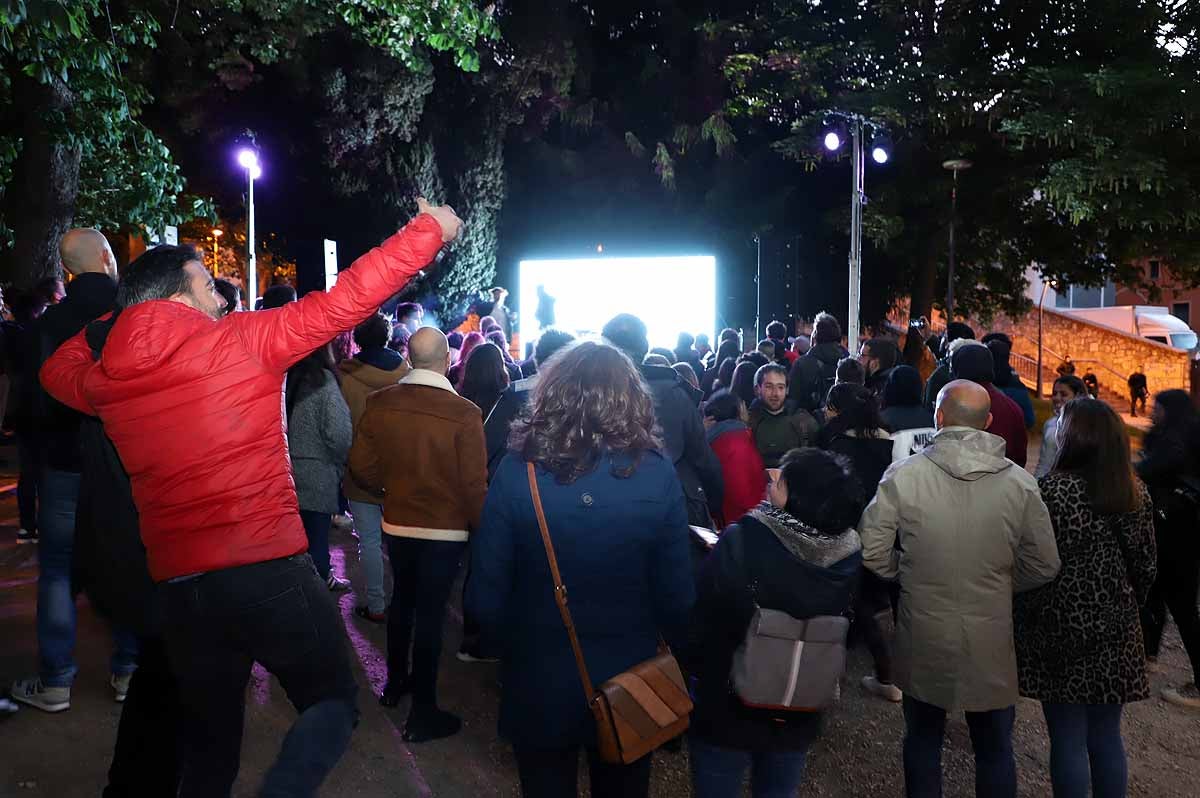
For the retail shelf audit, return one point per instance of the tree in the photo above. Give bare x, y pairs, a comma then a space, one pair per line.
1052, 107
73, 96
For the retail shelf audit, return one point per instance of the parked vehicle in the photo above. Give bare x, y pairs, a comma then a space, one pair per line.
1145, 321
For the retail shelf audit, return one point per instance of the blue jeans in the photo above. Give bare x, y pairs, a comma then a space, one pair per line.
278, 613
368, 523
991, 737
720, 772
1085, 745
58, 493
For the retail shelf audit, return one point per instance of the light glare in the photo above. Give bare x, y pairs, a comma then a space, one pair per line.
832, 141
247, 158
255, 172
670, 294
879, 155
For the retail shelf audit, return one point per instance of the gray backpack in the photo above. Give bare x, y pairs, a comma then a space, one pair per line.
789, 664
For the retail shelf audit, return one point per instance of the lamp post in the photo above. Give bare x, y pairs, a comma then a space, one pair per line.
216, 237
880, 154
955, 165
1041, 318
248, 160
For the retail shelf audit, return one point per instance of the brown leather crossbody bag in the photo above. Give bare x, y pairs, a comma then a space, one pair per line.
638, 710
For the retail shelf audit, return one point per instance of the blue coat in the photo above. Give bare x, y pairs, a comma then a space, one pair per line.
623, 551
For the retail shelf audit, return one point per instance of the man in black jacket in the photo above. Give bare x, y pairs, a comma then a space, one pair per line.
676, 405
56, 428
879, 357
513, 400
813, 374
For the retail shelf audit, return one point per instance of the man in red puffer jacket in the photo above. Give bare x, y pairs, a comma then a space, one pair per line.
193, 403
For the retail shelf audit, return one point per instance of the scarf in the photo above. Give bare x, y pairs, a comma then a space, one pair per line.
804, 542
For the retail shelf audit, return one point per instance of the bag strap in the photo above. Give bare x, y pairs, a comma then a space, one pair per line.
560, 590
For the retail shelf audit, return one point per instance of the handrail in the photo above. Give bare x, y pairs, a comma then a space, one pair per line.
1052, 353
1045, 367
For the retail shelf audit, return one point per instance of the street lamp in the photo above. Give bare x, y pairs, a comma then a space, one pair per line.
216, 236
880, 153
1041, 318
248, 160
955, 165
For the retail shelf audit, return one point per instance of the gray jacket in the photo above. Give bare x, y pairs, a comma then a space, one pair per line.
972, 530
319, 438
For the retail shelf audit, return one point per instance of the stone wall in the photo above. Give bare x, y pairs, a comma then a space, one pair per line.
1094, 346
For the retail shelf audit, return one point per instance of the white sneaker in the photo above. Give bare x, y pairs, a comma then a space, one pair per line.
120, 686
888, 692
338, 585
36, 694
1187, 695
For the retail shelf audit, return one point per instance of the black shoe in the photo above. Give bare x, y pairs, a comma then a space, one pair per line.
394, 691
430, 723
366, 614
25, 536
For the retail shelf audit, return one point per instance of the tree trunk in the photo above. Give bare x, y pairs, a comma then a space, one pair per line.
921, 303
40, 199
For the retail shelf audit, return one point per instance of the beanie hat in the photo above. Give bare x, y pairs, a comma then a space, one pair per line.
973, 362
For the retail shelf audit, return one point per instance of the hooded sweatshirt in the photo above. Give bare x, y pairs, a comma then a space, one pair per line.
972, 530
361, 376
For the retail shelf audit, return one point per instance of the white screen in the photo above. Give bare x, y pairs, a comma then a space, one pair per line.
671, 295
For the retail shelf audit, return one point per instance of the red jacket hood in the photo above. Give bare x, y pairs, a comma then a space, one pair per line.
148, 334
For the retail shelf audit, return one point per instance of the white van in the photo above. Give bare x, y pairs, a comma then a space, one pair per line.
1146, 321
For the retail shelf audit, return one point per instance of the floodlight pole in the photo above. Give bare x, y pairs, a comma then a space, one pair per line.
757, 288
857, 200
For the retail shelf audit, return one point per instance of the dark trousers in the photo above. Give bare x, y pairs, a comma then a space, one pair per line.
1134, 398
29, 465
423, 573
316, 527
278, 613
554, 774
1175, 590
991, 737
873, 595
146, 762
1086, 750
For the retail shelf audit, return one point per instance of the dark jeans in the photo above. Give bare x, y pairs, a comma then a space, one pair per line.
1175, 590
148, 754
423, 573
720, 772
29, 465
278, 613
1085, 745
316, 527
1134, 399
991, 737
554, 774
56, 613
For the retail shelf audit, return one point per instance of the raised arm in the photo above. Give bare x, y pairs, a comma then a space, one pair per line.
281, 337
64, 373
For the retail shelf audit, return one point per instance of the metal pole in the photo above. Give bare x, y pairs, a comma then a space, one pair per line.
856, 205
251, 265
1041, 318
950, 273
758, 290
216, 256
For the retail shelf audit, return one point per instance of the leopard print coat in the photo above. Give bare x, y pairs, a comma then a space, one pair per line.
1078, 639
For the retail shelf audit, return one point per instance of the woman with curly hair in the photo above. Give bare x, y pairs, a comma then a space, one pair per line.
618, 522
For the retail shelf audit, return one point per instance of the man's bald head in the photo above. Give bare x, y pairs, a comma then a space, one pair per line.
85, 249
963, 403
428, 349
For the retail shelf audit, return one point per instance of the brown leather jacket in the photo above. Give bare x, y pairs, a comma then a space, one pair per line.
419, 448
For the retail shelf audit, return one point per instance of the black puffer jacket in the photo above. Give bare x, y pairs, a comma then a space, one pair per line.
676, 408
751, 564
813, 375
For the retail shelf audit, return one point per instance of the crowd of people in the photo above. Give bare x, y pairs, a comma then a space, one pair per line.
685, 497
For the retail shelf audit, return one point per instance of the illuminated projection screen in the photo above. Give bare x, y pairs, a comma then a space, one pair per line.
672, 295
